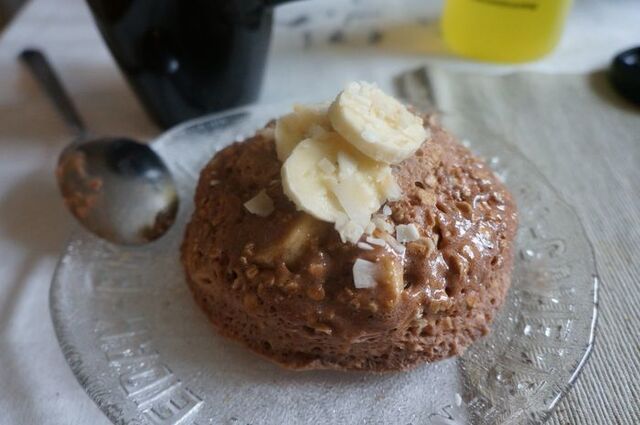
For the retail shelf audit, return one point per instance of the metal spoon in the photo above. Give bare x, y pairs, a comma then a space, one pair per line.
117, 188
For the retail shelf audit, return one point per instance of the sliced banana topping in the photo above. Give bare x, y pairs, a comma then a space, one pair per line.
337, 158
305, 179
303, 122
377, 124
327, 178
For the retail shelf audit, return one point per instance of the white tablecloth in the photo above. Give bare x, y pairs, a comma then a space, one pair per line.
36, 386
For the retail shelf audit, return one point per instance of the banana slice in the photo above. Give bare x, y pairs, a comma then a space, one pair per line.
305, 179
330, 180
376, 124
303, 122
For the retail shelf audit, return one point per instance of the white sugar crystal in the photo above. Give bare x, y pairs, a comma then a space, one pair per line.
407, 233
261, 204
386, 211
213, 182
458, 398
364, 274
365, 246
376, 241
326, 166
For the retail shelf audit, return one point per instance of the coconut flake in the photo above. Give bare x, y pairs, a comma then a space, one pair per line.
407, 233
376, 241
326, 166
316, 130
365, 246
390, 189
382, 224
347, 164
268, 133
364, 274
356, 198
370, 136
369, 228
261, 204
341, 219
394, 244
349, 231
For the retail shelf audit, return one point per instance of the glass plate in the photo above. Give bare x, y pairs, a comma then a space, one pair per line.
146, 354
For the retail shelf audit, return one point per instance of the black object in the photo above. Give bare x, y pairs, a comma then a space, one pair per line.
625, 74
41, 68
185, 58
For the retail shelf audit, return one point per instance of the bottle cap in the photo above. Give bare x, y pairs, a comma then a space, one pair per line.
624, 74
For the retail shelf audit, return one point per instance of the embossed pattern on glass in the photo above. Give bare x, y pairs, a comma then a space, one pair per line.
145, 353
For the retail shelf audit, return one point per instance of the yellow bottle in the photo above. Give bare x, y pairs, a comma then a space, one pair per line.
503, 30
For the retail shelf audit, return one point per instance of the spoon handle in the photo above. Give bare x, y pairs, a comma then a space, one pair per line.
46, 76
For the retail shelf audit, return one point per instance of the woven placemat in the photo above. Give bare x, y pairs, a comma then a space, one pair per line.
586, 140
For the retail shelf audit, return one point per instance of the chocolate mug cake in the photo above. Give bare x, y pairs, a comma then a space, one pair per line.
353, 235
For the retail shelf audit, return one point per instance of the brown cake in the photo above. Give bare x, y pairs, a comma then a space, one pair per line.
283, 284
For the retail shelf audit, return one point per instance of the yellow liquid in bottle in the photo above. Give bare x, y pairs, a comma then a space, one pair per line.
503, 30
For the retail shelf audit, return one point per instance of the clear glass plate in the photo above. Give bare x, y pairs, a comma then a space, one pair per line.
145, 353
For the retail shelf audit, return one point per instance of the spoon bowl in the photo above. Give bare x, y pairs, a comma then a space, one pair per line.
117, 188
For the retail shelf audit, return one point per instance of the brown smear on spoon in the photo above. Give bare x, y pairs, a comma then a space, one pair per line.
79, 190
